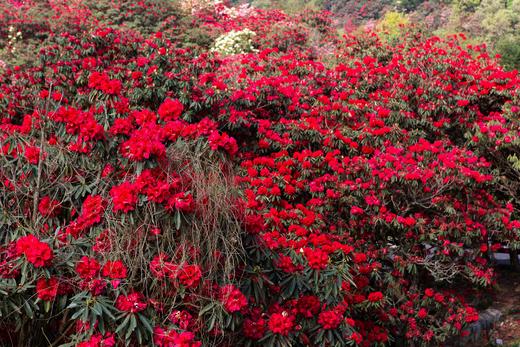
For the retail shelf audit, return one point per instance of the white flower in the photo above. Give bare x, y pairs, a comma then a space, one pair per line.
235, 42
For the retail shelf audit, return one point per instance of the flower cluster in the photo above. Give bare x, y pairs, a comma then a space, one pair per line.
235, 42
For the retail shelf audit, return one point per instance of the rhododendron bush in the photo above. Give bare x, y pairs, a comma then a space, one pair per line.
153, 194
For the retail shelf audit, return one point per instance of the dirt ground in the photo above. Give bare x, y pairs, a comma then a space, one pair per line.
507, 300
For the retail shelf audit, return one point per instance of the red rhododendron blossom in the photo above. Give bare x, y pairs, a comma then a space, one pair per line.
92, 209
160, 267
124, 197
171, 338
8, 255
317, 258
217, 140
183, 319
95, 286
101, 81
36, 252
47, 289
144, 143
49, 207
32, 154
133, 302
170, 110
308, 306
254, 329
189, 275
422, 313
375, 297
471, 315
429, 292
99, 340
281, 323
87, 268
182, 202
114, 269
232, 298
356, 337
330, 319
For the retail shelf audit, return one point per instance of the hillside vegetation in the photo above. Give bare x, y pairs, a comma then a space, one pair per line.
494, 22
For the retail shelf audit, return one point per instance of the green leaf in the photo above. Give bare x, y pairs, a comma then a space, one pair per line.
146, 323
47, 306
28, 310
107, 311
178, 220
131, 328
123, 325
78, 313
97, 309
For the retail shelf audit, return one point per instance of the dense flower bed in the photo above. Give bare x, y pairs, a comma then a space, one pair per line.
158, 194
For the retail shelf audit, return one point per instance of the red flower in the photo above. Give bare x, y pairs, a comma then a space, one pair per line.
47, 289
32, 154
182, 202
471, 315
232, 298
101, 81
172, 338
92, 209
114, 269
95, 286
308, 306
223, 140
439, 297
359, 258
356, 210
133, 302
356, 337
38, 253
99, 340
181, 318
189, 276
375, 297
49, 207
160, 267
281, 323
124, 197
87, 268
317, 258
429, 292
462, 103
330, 319
254, 329
422, 313
170, 110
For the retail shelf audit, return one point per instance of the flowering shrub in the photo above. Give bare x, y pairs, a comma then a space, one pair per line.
154, 194
235, 42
